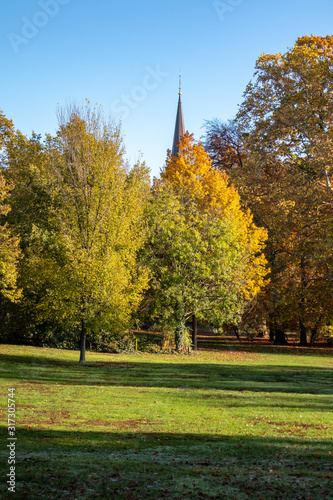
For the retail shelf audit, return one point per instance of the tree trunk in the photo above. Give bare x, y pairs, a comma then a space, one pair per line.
236, 332
179, 337
303, 339
272, 329
314, 332
271, 334
302, 329
83, 337
195, 332
280, 338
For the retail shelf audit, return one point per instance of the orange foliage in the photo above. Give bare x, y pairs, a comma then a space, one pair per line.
191, 176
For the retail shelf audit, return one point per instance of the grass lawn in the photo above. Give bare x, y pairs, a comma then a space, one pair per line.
243, 422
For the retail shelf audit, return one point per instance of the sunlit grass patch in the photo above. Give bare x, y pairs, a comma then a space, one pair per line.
230, 424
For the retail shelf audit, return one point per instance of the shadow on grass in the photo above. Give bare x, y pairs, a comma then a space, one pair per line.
237, 377
217, 344
58, 464
113, 441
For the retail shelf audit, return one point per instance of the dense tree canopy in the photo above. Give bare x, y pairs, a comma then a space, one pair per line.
98, 205
288, 107
284, 126
9, 243
9, 250
204, 251
79, 208
74, 217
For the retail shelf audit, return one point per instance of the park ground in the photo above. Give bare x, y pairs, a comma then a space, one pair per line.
237, 422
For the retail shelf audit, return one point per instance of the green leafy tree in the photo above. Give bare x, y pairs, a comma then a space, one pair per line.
9, 251
98, 205
204, 251
9, 242
31, 218
79, 208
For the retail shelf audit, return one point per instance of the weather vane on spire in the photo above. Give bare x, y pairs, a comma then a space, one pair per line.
180, 83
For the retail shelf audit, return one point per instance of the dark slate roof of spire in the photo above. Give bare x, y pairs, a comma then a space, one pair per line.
179, 127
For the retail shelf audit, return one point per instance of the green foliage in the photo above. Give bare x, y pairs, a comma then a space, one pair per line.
147, 342
98, 206
204, 252
9, 251
113, 342
9, 243
325, 334
182, 337
78, 208
195, 264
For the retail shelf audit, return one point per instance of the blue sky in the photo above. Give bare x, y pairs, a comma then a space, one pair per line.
126, 56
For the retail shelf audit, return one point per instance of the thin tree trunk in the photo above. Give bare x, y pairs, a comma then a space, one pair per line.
302, 329
314, 332
195, 332
236, 332
272, 330
83, 337
303, 338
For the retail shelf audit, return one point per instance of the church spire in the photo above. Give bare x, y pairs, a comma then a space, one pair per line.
179, 127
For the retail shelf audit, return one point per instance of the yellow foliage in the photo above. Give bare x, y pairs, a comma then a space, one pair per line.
191, 176
9, 251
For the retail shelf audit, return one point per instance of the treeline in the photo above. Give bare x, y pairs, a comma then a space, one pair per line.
89, 247
236, 233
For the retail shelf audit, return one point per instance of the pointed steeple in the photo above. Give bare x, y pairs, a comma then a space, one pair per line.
179, 127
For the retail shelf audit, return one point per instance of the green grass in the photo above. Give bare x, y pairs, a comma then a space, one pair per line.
241, 423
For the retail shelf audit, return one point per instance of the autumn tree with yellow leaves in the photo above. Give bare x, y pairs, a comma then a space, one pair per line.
98, 205
285, 127
9, 242
9, 250
79, 208
205, 253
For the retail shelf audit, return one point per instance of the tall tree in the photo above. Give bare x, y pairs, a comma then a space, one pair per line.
286, 125
204, 251
31, 218
98, 204
287, 110
9, 250
82, 225
9, 242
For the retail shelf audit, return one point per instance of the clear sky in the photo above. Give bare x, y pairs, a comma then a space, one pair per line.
126, 55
